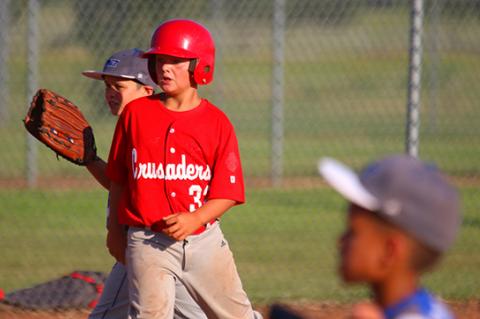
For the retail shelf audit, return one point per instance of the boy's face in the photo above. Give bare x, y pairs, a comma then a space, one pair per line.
119, 92
173, 75
361, 247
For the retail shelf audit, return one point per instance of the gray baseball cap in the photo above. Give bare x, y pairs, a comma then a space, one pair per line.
409, 193
127, 64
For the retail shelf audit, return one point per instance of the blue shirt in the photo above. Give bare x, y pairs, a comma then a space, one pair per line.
420, 305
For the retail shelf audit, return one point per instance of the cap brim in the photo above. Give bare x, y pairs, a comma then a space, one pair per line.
99, 75
93, 74
346, 182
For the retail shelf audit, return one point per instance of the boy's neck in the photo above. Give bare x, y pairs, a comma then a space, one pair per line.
183, 102
395, 288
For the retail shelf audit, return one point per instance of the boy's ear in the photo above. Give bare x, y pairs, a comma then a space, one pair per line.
396, 250
391, 249
148, 89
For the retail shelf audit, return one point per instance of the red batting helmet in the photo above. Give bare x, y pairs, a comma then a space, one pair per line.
188, 39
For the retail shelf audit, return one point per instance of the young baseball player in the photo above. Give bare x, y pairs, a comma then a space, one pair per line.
125, 75
175, 170
402, 217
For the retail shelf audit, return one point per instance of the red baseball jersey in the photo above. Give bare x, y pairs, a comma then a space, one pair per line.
173, 161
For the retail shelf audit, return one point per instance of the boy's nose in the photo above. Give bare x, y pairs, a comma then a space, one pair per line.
166, 66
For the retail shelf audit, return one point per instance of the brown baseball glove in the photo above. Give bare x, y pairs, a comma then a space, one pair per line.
59, 124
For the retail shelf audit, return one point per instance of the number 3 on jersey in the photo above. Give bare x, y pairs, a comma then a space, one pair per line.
196, 192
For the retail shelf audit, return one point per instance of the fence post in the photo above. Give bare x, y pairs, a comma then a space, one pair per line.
414, 76
217, 9
277, 91
32, 74
4, 45
433, 50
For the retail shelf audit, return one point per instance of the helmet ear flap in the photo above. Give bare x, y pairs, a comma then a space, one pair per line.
203, 73
152, 68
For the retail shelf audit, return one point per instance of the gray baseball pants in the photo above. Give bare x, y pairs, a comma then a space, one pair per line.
203, 263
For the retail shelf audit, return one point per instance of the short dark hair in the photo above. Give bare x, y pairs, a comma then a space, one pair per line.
423, 257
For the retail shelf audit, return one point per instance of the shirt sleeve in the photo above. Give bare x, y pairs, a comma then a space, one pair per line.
116, 165
227, 177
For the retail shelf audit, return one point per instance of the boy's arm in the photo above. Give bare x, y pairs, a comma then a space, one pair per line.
97, 169
181, 225
116, 236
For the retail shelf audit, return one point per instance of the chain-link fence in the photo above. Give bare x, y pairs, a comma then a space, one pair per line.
299, 79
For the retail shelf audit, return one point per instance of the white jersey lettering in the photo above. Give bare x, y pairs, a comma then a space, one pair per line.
172, 171
134, 160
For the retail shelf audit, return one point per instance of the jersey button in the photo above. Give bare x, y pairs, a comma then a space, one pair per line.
172, 150
173, 194
172, 130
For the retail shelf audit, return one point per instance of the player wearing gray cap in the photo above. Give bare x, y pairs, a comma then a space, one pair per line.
403, 215
126, 78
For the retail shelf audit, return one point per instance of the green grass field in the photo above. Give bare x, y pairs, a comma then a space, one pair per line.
283, 240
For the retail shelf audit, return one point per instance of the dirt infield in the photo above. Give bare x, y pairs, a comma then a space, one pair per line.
462, 310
